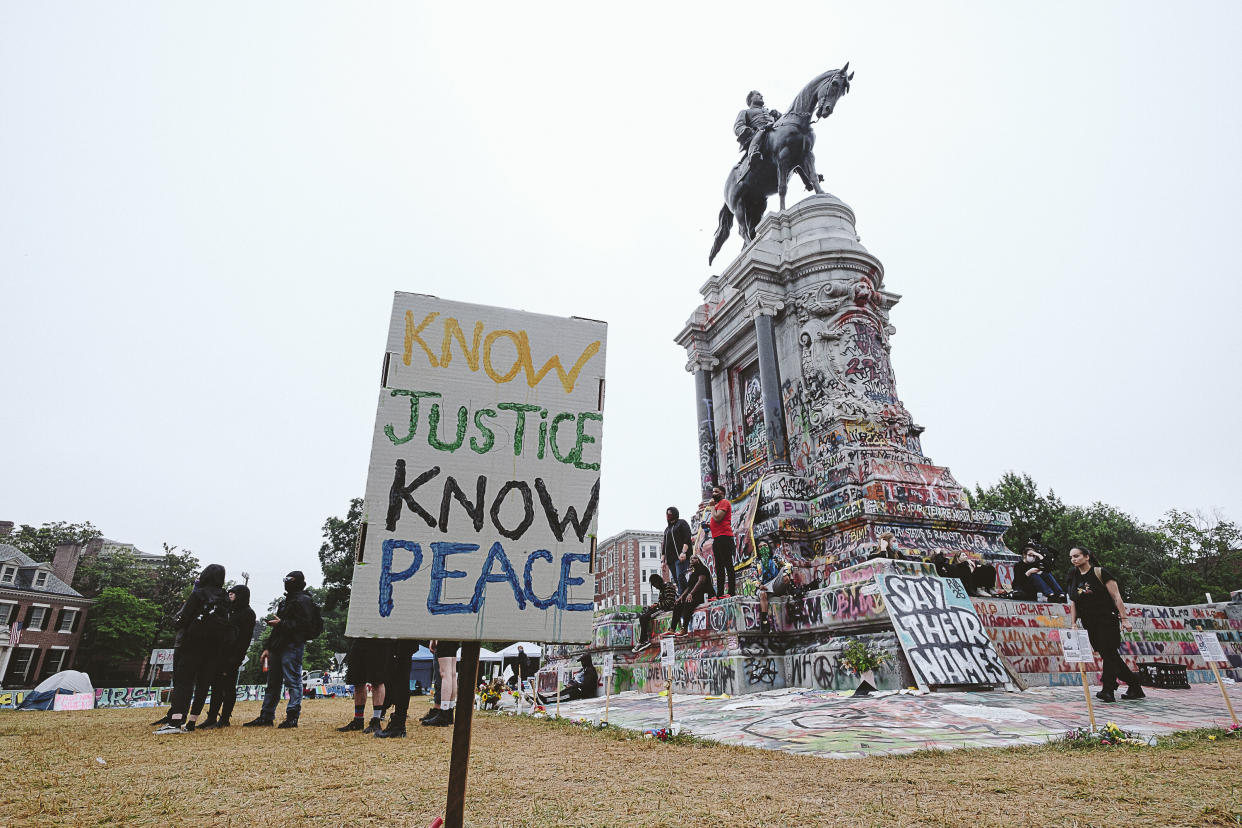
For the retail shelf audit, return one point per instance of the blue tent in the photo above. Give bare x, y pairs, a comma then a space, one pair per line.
422, 668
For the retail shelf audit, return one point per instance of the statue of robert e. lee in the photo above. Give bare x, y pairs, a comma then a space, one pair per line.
752, 122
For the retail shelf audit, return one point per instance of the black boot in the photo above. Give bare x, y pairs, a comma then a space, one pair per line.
161, 721
429, 715
354, 724
1106, 696
395, 729
443, 718
1134, 691
291, 720
262, 721
374, 725
223, 722
208, 723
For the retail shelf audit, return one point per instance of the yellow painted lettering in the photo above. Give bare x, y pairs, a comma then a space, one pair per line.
568, 381
521, 358
412, 336
453, 329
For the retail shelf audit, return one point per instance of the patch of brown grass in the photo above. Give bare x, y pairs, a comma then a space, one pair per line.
529, 772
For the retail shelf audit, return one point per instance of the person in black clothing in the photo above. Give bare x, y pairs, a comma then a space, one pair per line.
678, 543
1097, 603
205, 622
666, 602
699, 588
586, 688
522, 668
978, 576
224, 688
369, 662
397, 689
286, 641
1030, 578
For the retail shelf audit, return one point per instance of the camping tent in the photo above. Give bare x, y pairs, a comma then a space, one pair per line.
66, 682
532, 650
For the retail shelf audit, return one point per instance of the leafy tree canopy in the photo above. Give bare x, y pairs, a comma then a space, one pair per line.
40, 543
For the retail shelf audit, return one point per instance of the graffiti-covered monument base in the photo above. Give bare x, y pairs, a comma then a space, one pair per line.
795, 388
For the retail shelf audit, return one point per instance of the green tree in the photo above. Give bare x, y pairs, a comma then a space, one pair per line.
336, 561
1033, 513
118, 630
40, 543
171, 584
1207, 550
95, 573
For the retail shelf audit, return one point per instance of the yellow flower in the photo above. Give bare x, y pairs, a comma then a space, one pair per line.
1211, 738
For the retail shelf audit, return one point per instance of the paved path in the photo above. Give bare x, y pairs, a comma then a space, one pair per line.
827, 724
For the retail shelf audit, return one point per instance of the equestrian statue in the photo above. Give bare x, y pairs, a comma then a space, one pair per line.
773, 147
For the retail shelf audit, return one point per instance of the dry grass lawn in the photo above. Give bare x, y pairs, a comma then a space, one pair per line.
530, 772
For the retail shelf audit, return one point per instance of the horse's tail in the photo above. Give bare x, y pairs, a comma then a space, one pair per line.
722, 231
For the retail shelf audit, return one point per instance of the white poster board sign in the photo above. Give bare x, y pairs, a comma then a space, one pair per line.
608, 665
162, 657
1209, 646
667, 655
74, 701
1076, 647
483, 487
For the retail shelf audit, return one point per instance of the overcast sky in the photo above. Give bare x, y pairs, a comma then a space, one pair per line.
205, 210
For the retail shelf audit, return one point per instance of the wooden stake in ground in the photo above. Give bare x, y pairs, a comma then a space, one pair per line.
1076, 649
467, 680
1211, 651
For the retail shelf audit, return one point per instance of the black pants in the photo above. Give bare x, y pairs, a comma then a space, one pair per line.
682, 613
644, 622
224, 692
193, 673
1105, 635
722, 552
398, 685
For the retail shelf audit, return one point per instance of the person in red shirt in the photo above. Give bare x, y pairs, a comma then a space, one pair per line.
721, 526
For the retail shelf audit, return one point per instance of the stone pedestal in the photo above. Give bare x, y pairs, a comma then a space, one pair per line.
791, 352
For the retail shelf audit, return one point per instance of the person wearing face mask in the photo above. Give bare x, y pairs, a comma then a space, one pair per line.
290, 628
721, 528
224, 688
1030, 579
204, 623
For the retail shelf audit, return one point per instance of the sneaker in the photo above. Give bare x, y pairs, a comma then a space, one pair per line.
444, 718
222, 723
354, 724
163, 720
189, 727
209, 724
374, 725
262, 721
1106, 696
1134, 691
168, 729
395, 730
429, 715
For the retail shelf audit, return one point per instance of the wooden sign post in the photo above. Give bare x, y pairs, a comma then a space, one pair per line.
1076, 647
1211, 651
667, 659
608, 668
481, 506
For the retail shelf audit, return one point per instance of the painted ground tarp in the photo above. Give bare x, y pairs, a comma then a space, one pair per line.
483, 487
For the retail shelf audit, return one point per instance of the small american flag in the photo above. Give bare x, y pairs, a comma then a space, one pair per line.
15, 634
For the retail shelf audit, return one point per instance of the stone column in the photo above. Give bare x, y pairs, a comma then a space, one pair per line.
702, 367
770, 382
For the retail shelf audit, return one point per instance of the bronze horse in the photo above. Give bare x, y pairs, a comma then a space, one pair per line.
785, 148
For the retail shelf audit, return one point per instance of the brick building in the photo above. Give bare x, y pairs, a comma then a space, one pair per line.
41, 618
623, 564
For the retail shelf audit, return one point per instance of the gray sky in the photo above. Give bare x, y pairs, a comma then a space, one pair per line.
205, 210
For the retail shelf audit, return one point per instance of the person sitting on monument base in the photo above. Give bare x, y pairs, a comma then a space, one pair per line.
665, 603
700, 587
978, 577
886, 548
1031, 579
585, 688
774, 579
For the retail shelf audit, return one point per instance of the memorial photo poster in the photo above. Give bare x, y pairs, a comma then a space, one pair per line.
941, 633
483, 487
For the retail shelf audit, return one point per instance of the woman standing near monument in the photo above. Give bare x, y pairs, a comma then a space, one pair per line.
1097, 601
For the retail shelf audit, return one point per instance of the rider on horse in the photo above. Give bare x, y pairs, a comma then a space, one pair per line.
752, 122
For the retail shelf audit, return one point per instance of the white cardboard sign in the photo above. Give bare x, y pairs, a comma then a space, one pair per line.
483, 487
1076, 645
608, 665
1209, 646
667, 655
162, 657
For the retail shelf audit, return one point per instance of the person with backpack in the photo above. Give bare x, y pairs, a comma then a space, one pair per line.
297, 620
204, 621
1096, 600
224, 688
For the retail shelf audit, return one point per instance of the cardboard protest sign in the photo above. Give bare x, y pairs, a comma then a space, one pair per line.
666, 653
483, 486
1076, 647
1209, 646
74, 701
941, 633
162, 657
606, 672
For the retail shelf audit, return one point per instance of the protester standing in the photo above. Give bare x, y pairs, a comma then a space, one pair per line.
446, 657
288, 632
205, 622
368, 663
1096, 601
721, 528
678, 544
224, 688
397, 691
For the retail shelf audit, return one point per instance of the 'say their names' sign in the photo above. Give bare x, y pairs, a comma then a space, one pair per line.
941, 633
483, 487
